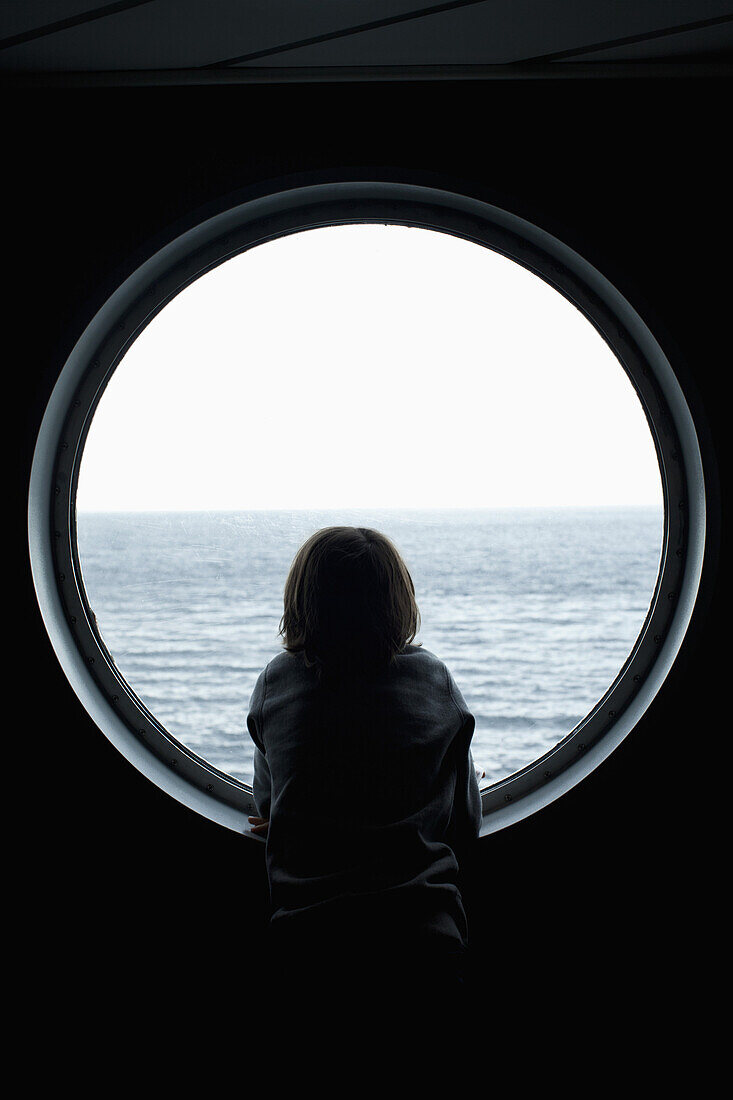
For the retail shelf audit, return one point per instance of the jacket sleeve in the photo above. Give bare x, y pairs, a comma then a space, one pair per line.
466, 817
262, 783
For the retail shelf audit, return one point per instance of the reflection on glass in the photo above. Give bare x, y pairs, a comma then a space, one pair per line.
385, 377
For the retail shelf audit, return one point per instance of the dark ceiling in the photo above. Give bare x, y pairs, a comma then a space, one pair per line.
234, 40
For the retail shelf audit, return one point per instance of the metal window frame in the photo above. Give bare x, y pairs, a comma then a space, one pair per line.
104, 693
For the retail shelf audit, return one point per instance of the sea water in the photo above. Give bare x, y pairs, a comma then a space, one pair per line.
534, 611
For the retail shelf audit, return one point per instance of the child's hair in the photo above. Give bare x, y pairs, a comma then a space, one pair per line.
349, 601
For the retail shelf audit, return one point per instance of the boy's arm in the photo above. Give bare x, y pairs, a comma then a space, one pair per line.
467, 813
262, 785
262, 782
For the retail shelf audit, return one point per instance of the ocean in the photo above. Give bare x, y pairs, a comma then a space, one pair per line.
534, 611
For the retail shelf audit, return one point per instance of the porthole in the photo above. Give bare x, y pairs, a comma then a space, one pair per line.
125, 706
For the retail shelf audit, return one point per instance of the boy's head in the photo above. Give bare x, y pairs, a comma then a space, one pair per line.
349, 601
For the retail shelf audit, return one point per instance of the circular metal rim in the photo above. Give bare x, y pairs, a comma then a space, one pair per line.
51, 512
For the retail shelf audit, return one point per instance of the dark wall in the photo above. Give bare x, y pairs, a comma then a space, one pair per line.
138, 891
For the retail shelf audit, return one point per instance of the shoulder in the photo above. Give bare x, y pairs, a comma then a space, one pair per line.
419, 654
281, 677
434, 674
280, 663
283, 668
423, 664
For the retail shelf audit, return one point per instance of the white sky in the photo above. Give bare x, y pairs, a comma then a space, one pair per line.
368, 366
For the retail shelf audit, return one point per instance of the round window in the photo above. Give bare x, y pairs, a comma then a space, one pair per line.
383, 356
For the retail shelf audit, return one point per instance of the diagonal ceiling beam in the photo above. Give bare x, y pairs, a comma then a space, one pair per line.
375, 24
72, 21
452, 5
647, 36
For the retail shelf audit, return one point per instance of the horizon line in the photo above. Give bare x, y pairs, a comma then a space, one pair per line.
369, 508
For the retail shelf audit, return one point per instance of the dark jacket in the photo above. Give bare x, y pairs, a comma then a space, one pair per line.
370, 790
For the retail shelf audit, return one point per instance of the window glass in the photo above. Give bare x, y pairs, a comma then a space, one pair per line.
381, 376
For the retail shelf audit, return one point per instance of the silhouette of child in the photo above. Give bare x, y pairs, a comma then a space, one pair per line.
364, 782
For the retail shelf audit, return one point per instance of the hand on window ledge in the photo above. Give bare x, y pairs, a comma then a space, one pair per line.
259, 825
